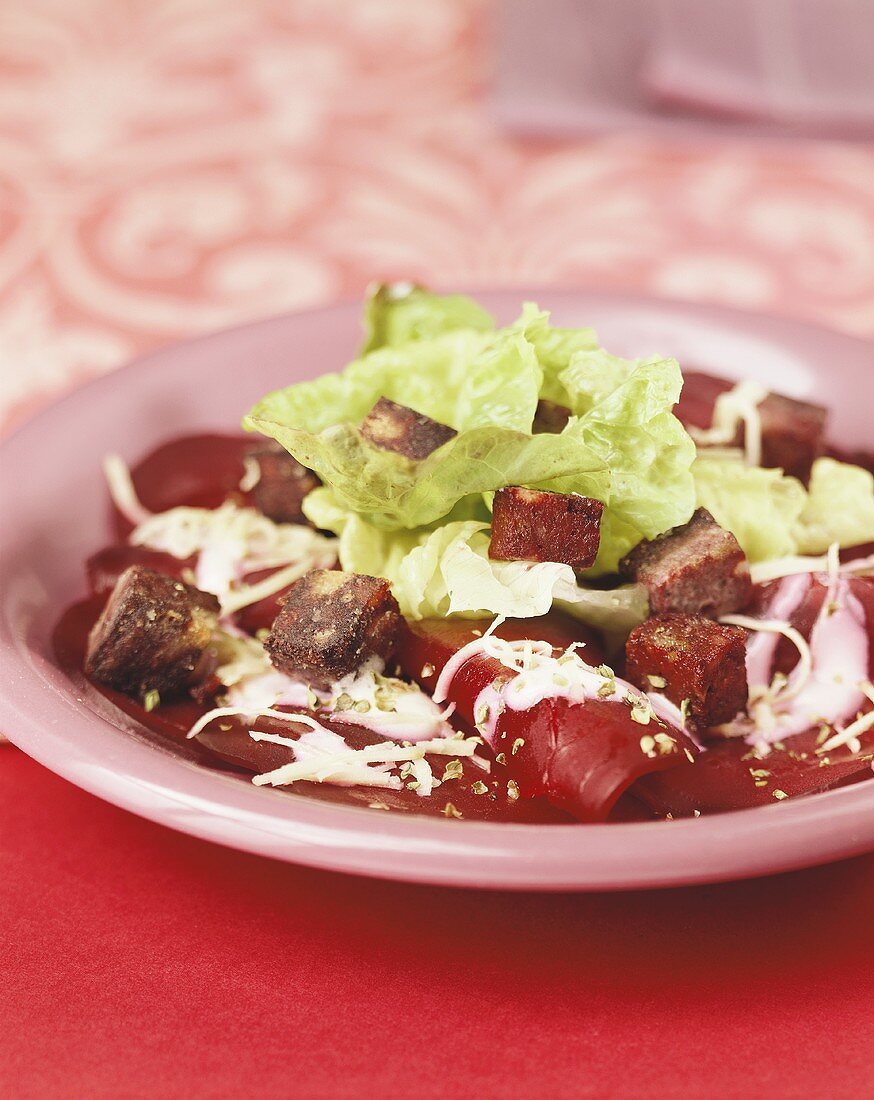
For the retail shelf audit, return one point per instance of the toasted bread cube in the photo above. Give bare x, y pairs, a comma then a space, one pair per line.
331, 623
550, 418
698, 569
282, 483
532, 525
394, 427
688, 657
793, 434
152, 635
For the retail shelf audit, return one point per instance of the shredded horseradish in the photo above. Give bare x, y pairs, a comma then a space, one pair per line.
251, 474
780, 686
539, 675
121, 489
739, 405
826, 687
391, 707
229, 542
329, 759
763, 571
388, 706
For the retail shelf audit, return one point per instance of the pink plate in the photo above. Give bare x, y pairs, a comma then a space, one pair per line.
54, 510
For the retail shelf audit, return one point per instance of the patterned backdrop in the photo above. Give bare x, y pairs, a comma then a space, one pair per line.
172, 166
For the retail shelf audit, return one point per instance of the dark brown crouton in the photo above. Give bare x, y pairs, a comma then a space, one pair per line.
397, 428
550, 418
690, 657
793, 434
152, 635
282, 483
331, 623
531, 525
698, 568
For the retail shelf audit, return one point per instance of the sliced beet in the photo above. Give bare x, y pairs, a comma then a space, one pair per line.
581, 756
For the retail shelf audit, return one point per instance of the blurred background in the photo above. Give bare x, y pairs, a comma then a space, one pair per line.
173, 166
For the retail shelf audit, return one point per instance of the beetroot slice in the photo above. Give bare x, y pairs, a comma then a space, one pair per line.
582, 757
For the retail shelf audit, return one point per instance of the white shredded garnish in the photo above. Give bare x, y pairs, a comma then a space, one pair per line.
824, 687
849, 735
231, 542
388, 706
763, 571
424, 777
324, 769
739, 405
121, 489
450, 669
239, 712
833, 558
247, 594
540, 674
779, 689
251, 474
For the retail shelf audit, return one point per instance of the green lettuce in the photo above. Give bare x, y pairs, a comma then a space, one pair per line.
399, 312
647, 453
839, 507
447, 571
555, 348
760, 507
773, 516
627, 449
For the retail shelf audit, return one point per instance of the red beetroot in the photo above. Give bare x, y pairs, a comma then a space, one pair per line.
107, 565
730, 775
203, 471
582, 757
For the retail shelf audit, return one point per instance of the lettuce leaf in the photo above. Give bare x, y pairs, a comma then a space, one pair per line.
647, 452
760, 507
627, 450
839, 507
485, 385
396, 313
772, 515
591, 376
554, 347
447, 571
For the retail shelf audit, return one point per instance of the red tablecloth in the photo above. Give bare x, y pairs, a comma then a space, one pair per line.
141, 963
169, 168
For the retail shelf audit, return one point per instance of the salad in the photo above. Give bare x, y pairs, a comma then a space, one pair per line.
496, 574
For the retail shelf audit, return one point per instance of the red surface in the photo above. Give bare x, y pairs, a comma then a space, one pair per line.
138, 962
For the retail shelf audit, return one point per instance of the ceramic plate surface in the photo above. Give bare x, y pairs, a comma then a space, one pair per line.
54, 514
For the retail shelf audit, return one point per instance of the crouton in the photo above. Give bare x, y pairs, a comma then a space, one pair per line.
531, 525
698, 568
331, 623
282, 483
152, 635
397, 428
793, 434
550, 418
688, 657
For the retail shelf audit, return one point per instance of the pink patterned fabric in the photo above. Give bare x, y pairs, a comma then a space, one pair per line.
168, 168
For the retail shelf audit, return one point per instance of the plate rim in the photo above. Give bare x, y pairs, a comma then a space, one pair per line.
24, 725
